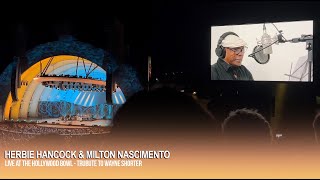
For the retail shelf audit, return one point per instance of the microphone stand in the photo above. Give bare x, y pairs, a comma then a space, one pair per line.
309, 46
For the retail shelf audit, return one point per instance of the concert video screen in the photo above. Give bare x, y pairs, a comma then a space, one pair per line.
271, 51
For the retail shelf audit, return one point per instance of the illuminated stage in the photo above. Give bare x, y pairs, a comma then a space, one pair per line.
65, 87
66, 82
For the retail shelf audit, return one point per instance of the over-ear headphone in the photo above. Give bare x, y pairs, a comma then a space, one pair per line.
220, 52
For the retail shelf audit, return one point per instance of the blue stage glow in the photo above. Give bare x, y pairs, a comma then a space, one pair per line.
118, 97
109, 111
74, 96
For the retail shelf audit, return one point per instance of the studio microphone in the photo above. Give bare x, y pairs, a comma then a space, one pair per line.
261, 52
266, 41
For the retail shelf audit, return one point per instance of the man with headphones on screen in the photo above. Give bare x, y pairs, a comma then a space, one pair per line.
230, 50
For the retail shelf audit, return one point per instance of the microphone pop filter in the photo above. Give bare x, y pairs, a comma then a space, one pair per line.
259, 56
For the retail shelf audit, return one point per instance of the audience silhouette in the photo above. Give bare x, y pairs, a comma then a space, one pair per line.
246, 126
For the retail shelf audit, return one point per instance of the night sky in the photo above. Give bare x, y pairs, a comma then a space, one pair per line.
175, 33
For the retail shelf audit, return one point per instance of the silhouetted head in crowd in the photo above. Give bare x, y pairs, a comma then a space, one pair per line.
316, 127
245, 126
